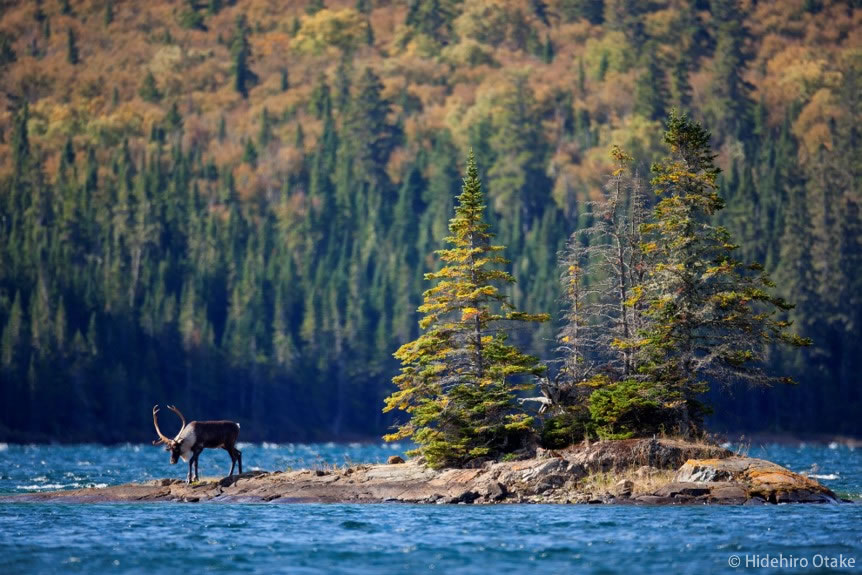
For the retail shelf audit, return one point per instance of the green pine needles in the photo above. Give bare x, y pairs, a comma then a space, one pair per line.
697, 316
711, 317
459, 379
672, 313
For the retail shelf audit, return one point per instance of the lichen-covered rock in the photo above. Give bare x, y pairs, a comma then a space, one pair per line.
742, 478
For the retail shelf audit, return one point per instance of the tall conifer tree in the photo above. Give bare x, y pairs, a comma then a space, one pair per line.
712, 317
459, 378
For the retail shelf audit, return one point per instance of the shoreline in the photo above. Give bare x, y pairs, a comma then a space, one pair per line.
635, 471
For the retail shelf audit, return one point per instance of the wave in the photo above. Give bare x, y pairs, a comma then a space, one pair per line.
56, 486
824, 475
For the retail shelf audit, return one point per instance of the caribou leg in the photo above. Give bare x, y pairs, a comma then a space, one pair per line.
235, 457
232, 460
189, 476
195, 457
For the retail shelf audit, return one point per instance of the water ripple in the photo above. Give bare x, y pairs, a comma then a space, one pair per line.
395, 539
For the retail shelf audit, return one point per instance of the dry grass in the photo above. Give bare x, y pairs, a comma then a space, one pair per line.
644, 482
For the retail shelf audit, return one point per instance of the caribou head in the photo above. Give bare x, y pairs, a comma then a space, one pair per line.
173, 445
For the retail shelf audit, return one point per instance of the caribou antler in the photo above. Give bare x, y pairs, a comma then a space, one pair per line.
183, 419
162, 438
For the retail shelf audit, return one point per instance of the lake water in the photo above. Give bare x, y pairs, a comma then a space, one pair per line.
397, 538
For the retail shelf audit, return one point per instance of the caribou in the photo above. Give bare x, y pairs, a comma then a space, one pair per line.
196, 436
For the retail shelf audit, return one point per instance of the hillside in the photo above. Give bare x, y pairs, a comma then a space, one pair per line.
230, 206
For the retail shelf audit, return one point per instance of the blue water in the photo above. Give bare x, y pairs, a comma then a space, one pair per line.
396, 538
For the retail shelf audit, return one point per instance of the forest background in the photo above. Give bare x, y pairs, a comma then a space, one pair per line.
230, 206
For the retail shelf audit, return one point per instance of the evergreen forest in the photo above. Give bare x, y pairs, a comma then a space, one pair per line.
232, 206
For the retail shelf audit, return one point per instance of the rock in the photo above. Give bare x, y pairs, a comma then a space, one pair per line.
624, 488
655, 500
645, 472
494, 491
544, 469
165, 482
729, 494
232, 479
784, 486
759, 478
394, 460
542, 453
575, 471
676, 489
697, 470
803, 496
464, 497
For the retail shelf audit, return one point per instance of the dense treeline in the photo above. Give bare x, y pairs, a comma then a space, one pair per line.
231, 207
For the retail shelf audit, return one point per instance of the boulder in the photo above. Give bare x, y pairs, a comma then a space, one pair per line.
394, 460
755, 477
623, 489
493, 491
656, 500
676, 489
728, 494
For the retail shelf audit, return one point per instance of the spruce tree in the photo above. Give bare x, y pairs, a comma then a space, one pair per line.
459, 378
712, 317
432, 18
10, 341
314, 6
680, 86
264, 135
249, 153
370, 136
729, 108
590, 10
149, 91
240, 50
72, 55
650, 91
7, 52
21, 141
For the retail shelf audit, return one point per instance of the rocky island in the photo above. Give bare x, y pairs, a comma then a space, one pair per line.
636, 471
